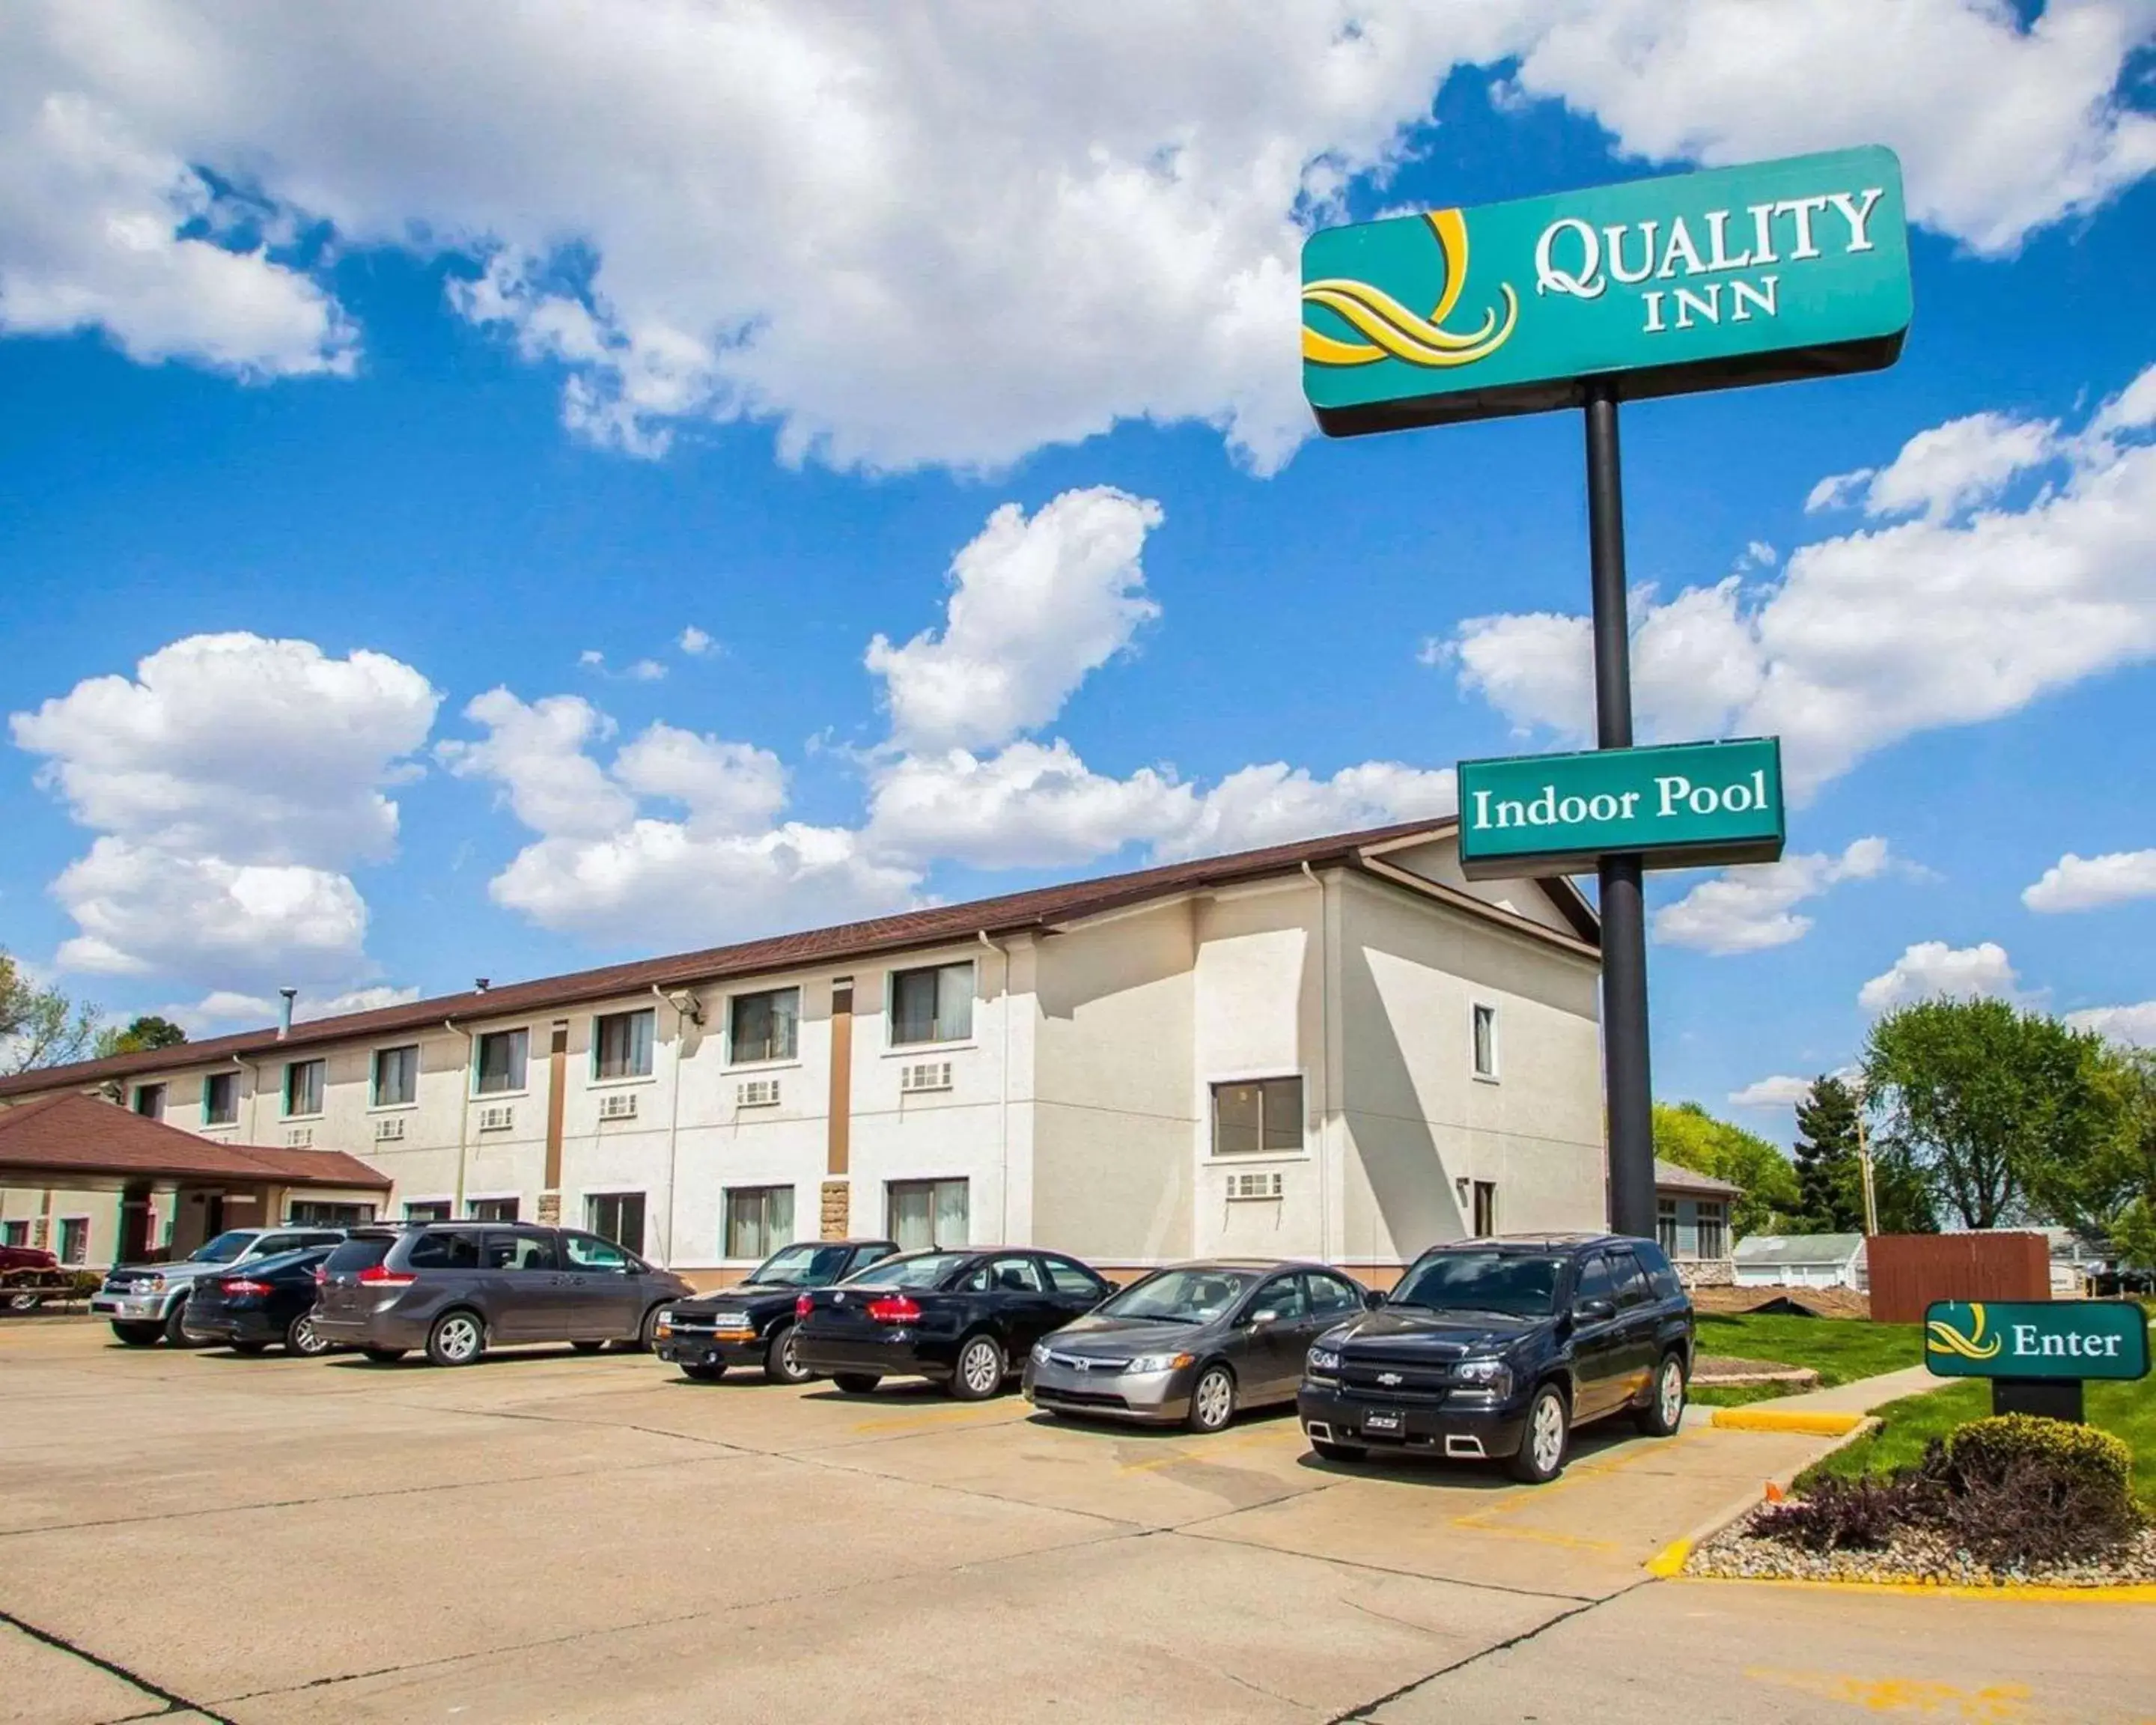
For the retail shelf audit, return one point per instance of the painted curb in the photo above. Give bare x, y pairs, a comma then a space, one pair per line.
1757, 1418
2027, 1594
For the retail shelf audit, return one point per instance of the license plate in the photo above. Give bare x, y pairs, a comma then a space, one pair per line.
1382, 1422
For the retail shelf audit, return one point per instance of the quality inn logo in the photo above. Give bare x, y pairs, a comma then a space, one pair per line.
1394, 331
1941, 1337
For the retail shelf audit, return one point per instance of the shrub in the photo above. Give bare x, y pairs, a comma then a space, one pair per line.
1861, 1514
1984, 1451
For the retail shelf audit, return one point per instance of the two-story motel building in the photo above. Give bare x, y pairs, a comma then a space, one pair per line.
1340, 1048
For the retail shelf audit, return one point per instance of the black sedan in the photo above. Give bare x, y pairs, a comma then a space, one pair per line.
751, 1323
961, 1319
270, 1300
1194, 1343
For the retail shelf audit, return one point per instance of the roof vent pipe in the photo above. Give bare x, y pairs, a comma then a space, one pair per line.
480, 984
285, 1013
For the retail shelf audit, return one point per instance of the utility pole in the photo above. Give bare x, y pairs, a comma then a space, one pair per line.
1864, 1163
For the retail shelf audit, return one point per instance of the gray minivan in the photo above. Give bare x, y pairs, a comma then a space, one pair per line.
457, 1289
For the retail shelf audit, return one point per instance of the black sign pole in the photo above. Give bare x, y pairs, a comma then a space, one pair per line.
1627, 1088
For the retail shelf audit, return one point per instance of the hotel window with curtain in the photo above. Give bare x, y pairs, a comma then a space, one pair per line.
621, 1043
934, 1004
1257, 1117
922, 1214
498, 1061
765, 1026
303, 1087
759, 1219
396, 1077
220, 1099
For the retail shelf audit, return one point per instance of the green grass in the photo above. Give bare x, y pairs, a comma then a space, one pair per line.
2128, 1410
1736, 1395
1839, 1349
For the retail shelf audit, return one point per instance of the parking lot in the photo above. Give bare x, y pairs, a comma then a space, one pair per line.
545, 1536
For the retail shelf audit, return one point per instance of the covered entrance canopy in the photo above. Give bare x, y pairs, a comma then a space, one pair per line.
76, 1143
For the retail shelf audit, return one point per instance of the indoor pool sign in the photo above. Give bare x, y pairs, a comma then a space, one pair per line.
1755, 274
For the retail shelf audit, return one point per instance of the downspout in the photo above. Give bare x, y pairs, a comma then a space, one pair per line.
1324, 1068
464, 1114
1003, 1076
674, 1111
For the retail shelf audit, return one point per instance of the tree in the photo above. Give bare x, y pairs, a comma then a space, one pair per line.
2104, 1187
1686, 1134
146, 1032
1830, 1171
1981, 1098
40, 1027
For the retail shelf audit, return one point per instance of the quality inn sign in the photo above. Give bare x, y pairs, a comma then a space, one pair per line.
1755, 275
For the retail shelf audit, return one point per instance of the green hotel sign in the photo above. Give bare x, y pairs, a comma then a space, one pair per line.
1755, 275
1686, 805
2062, 1338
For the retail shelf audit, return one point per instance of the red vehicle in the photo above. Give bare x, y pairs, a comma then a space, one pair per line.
30, 1275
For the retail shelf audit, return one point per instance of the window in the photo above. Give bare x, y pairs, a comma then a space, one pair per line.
1332, 1297
517, 1251
220, 1101
363, 1253
585, 1251
759, 1220
75, 1240
499, 1061
15, 1234
303, 1087
311, 1212
764, 1026
1485, 1041
396, 1077
445, 1249
1713, 1228
1283, 1297
621, 1043
150, 1100
1666, 1226
1595, 1282
1069, 1278
1009, 1276
1254, 1118
1631, 1281
492, 1209
431, 1210
920, 1213
1485, 1207
618, 1216
1660, 1277
932, 1005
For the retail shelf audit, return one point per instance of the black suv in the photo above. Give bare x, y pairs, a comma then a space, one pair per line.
752, 1323
1499, 1348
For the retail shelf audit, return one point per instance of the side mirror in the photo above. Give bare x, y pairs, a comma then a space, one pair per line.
1594, 1312
1259, 1320
1371, 1299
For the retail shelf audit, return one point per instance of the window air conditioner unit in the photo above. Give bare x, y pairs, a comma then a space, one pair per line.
499, 1118
389, 1129
620, 1106
298, 1138
925, 1075
757, 1093
1243, 1189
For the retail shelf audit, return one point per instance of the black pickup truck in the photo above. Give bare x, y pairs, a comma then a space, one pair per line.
1497, 1349
751, 1323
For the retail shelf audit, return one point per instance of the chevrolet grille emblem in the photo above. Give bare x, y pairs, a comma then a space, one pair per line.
1389, 1378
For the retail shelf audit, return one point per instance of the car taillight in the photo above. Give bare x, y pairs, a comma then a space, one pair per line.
802, 1302
322, 1276
380, 1276
242, 1287
894, 1309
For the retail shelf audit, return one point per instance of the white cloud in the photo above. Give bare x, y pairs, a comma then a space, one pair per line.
926, 234
695, 643
2134, 1025
645, 670
1274, 804
1749, 909
1869, 637
224, 1009
232, 782
2088, 883
1838, 491
535, 754
1034, 606
1781, 1091
1931, 969
591, 658
726, 787
1951, 467
1034, 805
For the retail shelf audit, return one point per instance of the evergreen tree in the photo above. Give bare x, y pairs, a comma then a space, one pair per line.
1830, 1175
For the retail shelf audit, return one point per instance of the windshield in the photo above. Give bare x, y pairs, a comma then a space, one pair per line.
1190, 1296
804, 1267
1514, 1285
224, 1248
921, 1270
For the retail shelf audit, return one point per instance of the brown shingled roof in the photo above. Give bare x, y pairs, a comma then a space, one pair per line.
1012, 913
73, 1134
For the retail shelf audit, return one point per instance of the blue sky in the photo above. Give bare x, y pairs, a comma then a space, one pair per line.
331, 419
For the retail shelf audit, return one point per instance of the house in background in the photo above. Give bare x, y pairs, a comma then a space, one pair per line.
1801, 1260
1691, 1224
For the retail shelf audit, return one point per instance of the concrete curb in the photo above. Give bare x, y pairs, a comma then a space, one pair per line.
2024, 1593
1758, 1417
1668, 1563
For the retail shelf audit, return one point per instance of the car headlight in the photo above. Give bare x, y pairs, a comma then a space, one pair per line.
150, 1285
1040, 1353
1160, 1362
1490, 1377
1324, 1362
664, 1327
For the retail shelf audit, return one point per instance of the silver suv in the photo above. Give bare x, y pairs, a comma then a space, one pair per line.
146, 1302
457, 1289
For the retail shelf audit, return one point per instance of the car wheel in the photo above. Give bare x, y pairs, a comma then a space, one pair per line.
1541, 1457
855, 1382
136, 1335
1665, 1401
457, 1339
384, 1355
249, 1346
647, 1333
980, 1369
782, 1360
1212, 1401
705, 1374
300, 1338
176, 1335
587, 1346
1327, 1451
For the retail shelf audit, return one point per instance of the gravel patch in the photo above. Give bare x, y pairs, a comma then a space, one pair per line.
1918, 1554
1712, 1368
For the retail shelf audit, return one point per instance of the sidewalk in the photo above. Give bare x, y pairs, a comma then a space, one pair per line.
1828, 1413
